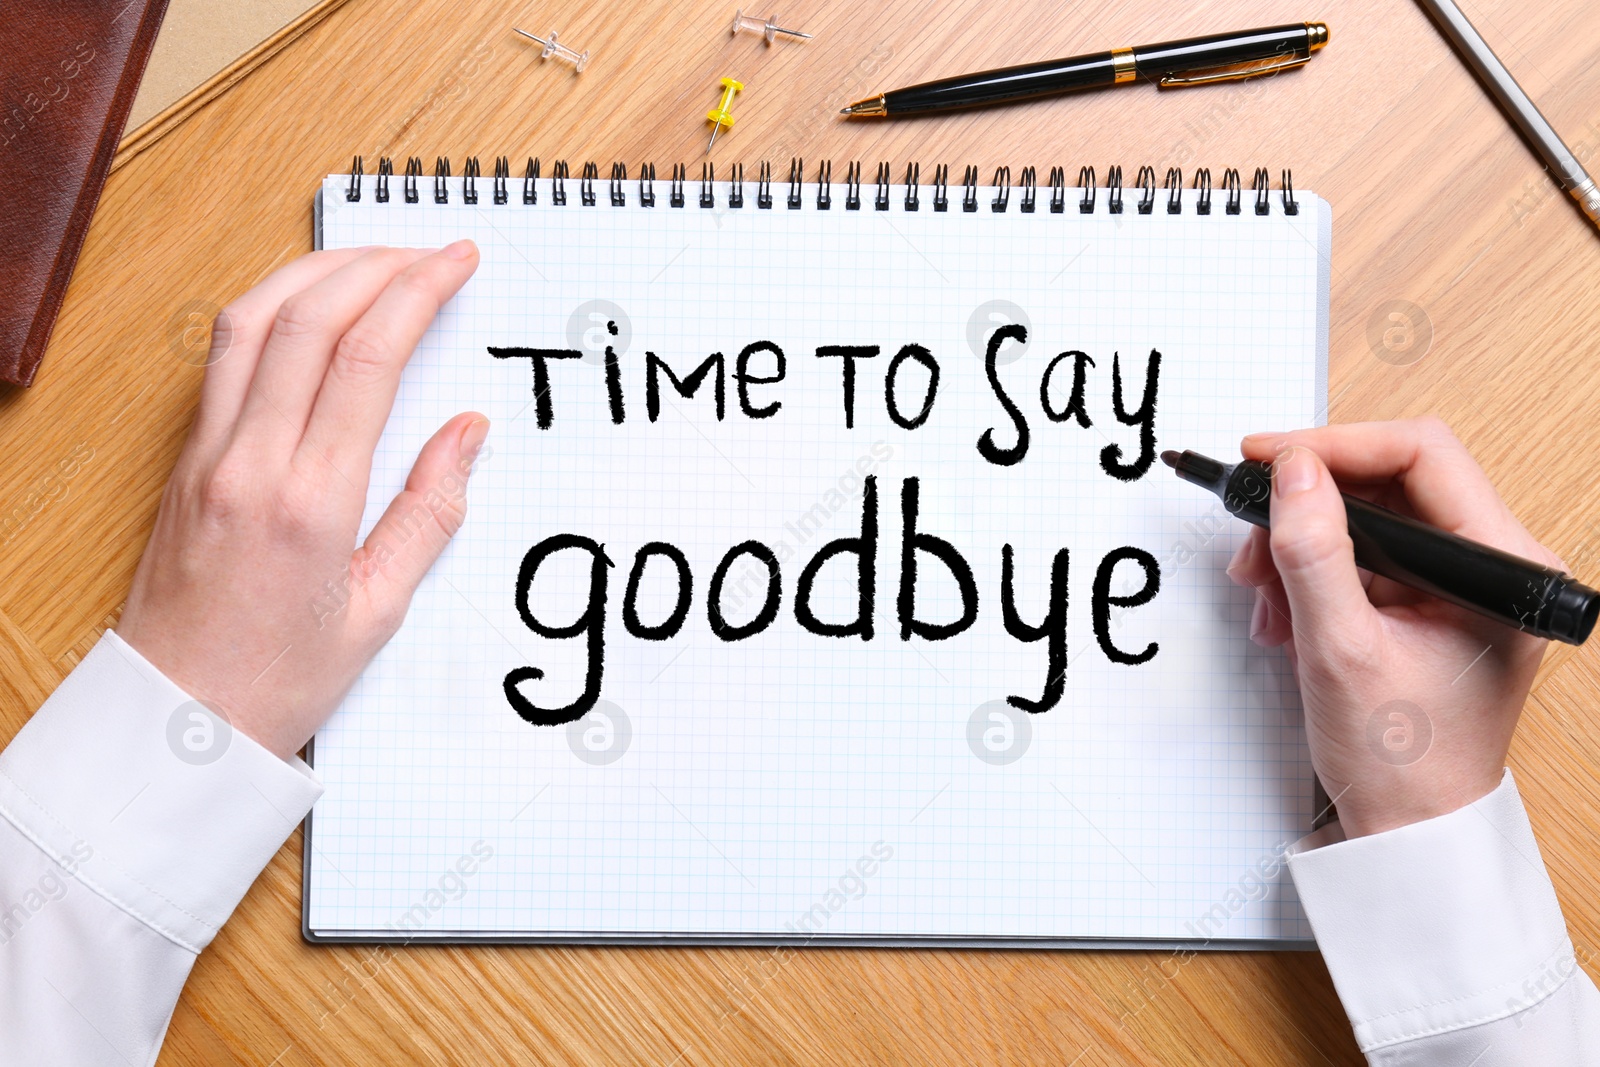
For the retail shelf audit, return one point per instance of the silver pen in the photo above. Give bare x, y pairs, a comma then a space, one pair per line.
1563, 165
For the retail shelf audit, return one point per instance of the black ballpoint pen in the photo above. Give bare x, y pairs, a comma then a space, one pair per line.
1194, 61
1524, 595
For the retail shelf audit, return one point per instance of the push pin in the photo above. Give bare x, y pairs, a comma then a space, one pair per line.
768, 28
719, 115
552, 47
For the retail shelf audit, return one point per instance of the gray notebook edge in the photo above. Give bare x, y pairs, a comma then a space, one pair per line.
1324, 253
1324, 300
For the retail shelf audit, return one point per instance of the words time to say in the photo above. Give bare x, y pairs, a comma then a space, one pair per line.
756, 374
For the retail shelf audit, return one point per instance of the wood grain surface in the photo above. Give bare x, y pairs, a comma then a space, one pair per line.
1436, 203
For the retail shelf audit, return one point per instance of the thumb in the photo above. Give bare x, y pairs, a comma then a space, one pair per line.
421, 519
1315, 558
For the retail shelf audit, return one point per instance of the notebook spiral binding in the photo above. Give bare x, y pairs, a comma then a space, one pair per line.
1149, 192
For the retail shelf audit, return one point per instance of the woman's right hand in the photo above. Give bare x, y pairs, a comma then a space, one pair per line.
1410, 702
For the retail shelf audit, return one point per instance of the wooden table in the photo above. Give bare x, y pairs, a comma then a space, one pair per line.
1436, 203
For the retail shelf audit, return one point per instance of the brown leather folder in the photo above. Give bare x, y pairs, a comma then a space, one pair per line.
67, 79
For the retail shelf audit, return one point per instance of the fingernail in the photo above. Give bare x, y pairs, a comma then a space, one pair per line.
472, 439
1294, 472
1262, 443
1241, 560
462, 249
1259, 617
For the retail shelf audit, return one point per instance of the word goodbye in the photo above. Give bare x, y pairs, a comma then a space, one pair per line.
591, 622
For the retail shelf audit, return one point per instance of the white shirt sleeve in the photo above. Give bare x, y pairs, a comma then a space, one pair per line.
1446, 943
132, 821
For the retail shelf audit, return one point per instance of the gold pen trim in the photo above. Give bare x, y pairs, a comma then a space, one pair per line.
1122, 66
1237, 72
872, 105
1316, 38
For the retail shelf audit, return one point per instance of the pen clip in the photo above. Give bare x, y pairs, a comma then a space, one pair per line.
1235, 72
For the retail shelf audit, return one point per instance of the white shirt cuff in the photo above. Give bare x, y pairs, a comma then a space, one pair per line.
1440, 925
159, 805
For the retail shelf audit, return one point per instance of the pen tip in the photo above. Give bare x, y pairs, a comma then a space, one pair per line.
844, 111
1170, 458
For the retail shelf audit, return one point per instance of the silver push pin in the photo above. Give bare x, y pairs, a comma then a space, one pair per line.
767, 27
552, 47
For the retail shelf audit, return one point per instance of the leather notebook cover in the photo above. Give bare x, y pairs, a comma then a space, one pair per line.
69, 76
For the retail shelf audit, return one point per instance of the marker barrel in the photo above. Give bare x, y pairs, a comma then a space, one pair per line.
1517, 592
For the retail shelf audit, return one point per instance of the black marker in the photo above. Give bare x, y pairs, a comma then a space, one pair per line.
1532, 598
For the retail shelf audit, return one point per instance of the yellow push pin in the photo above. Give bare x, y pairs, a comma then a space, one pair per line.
719, 115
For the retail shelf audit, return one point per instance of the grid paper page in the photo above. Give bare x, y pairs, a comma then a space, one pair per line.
791, 785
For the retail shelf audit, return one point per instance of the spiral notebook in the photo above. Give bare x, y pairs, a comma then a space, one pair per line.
818, 586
